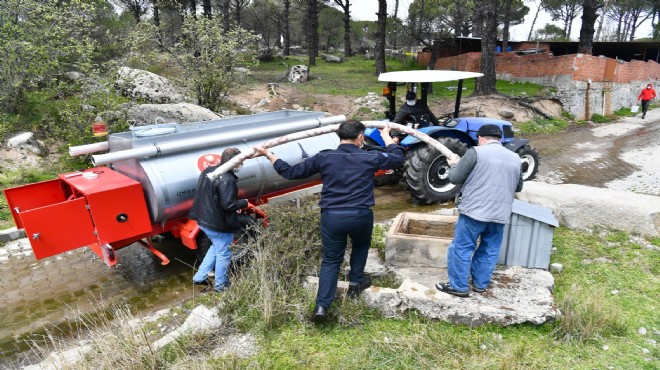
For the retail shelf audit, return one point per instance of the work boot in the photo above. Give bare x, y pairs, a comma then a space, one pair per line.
319, 315
354, 289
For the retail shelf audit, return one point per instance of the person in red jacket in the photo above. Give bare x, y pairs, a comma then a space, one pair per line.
646, 96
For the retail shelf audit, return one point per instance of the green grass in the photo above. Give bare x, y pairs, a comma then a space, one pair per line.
609, 288
356, 77
543, 125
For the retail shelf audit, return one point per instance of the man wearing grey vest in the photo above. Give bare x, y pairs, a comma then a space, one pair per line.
490, 176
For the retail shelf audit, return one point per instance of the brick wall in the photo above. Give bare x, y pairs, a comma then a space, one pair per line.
579, 67
585, 84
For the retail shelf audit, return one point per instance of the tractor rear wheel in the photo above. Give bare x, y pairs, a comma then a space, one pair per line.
426, 171
529, 162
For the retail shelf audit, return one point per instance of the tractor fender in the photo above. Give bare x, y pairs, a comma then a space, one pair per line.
437, 132
374, 134
516, 144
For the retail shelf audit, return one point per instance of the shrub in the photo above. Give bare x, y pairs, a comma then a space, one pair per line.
600, 118
268, 291
543, 125
586, 315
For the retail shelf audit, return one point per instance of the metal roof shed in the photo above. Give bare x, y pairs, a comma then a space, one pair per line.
528, 237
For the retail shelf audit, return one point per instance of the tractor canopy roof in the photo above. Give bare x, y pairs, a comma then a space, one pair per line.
426, 76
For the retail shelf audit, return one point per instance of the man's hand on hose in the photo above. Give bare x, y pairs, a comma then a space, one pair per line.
453, 160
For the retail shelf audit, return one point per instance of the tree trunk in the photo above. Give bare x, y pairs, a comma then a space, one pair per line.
486, 84
224, 9
531, 29
505, 28
589, 16
395, 25
312, 31
347, 29
193, 8
477, 19
286, 32
207, 8
156, 14
380, 37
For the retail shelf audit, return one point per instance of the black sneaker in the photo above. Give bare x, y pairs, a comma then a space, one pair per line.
204, 282
354, 289
446, 288
478, 290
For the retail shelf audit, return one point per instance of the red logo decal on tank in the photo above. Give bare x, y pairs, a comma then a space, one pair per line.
208, 160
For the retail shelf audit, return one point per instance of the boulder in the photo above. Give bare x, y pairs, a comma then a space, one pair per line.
27, 142
146, 114
332, 58
506, 113
298, 73
201, 320
584, 207
139, 84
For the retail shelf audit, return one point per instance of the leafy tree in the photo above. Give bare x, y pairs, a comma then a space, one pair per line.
629, 15
39, 41
137, 8
207, 57
237, 7
565, 11
312, 30
430, 20
329, 19
264, 18
361, 34
550, 32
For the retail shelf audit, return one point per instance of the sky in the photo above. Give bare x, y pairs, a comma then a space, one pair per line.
365, 10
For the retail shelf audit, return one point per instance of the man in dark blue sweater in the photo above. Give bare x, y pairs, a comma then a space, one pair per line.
346, 200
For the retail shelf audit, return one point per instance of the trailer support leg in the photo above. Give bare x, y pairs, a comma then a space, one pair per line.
147, 244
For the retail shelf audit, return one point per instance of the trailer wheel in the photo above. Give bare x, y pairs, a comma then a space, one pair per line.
425, 174
529, 162
392, 177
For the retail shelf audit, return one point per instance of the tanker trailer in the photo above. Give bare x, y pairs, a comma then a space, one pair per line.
144, 185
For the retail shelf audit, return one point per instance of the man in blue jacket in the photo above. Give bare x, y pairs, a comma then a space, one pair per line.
214, 208
490, 175
346, 200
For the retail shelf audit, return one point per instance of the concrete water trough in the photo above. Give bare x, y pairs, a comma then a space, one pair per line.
419, 240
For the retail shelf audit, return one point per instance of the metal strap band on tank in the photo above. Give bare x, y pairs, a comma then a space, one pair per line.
157, 149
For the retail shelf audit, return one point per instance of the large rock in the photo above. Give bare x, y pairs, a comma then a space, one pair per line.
139, 84
201, 320
27, 142
298, 73
146, 114
332, 58
584, 207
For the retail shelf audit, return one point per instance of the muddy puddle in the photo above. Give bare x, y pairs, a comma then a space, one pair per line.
50, 295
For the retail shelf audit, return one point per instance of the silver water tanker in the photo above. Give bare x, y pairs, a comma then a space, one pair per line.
167, 159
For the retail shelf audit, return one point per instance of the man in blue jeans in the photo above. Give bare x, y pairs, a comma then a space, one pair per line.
346, 199
214, 208
490, 175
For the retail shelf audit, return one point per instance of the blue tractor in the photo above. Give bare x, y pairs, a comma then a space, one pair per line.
424, 173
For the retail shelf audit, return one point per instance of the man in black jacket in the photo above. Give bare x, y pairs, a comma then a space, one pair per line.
346, 200
417, 111
214, 208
